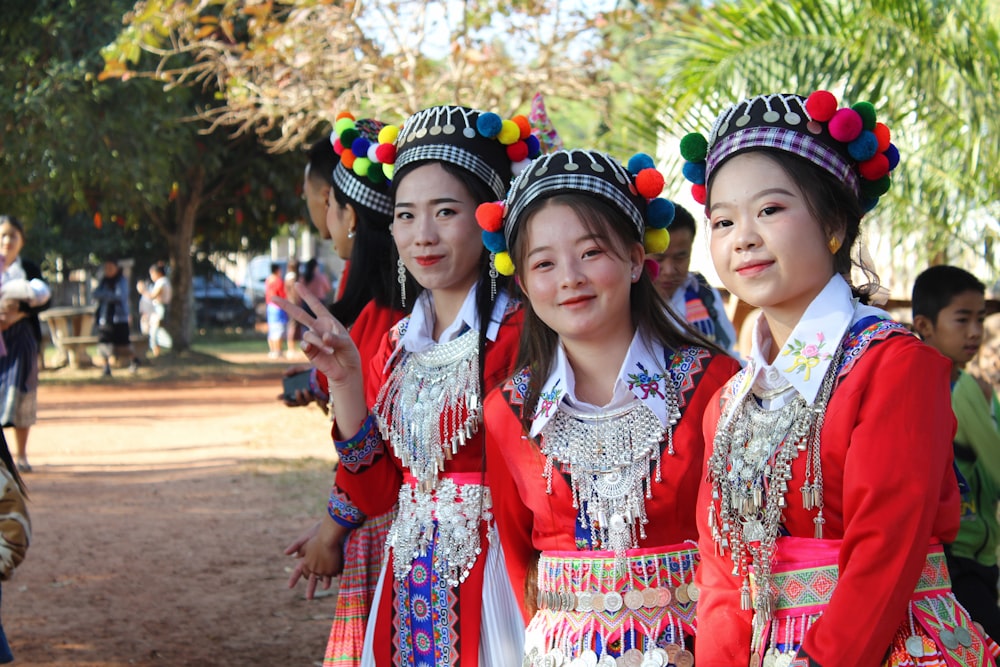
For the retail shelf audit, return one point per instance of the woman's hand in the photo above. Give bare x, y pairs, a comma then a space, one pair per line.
326, 343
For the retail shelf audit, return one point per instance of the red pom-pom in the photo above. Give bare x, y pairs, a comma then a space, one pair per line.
386, 153
517, 151
821, 105
649, 183
883, 136
523, 124
846, 125
338, 147
347, 158
699, 193
345, 114
875, 168
490, 216
652, 267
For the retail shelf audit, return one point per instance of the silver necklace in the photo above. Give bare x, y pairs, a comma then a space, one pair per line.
750, 467
429, 406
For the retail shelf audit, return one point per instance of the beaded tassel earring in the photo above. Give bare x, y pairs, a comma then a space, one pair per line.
401, 278
493, 277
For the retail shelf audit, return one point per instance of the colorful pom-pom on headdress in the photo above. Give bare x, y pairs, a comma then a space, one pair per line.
633, 190
492, 148
360, 173
848, 142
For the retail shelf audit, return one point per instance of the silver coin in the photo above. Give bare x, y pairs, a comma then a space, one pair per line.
665, 597
783, 660
632, 657
606, 661
613, 601
693, 592
633, 600
589, 658
681, 594
915, 646
583, 602
963, 636
650, 598
948, 639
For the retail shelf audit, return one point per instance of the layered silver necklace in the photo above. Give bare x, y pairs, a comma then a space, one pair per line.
609, 456
750, 467
430, 405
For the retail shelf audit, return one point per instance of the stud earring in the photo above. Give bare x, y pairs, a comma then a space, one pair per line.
401, 278
833, 244
350, 234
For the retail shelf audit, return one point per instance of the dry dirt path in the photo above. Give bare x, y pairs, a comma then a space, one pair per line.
159, 515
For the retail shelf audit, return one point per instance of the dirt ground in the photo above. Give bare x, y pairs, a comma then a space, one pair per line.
160, 513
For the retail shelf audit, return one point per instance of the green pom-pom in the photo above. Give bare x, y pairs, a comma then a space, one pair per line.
875, 189
694, 147
348, 136
342, 126
867, 112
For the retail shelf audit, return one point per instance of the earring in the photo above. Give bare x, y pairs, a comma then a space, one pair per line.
493, 277
401, 278
350, 233
833, 244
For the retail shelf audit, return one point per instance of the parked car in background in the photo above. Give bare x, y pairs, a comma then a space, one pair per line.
218, 301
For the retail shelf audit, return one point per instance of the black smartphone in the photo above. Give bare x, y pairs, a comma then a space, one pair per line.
292, 384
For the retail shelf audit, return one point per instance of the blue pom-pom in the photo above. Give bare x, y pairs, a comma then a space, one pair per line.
660, 213
640, 161
494, 241
893, 154
694, 172
489, 124
360, 146
864, 147
534, 146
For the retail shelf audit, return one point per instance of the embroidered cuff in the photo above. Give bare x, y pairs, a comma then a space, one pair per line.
362, 449
343, 511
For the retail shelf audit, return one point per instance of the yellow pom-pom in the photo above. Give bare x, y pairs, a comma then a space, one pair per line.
388, 170
656, 240
388, 134
361, 166
509, 133
503, 263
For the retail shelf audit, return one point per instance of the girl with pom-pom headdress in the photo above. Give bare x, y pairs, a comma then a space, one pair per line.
829, 484
594, 445
408, 426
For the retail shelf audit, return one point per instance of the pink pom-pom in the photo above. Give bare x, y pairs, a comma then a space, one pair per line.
821, 105
649, 183
490, 216
846, 125
875, 168
652, 268
386, 153
517, 151
699, 193
338, 147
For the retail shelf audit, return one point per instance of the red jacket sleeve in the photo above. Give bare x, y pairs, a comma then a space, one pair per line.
899, 494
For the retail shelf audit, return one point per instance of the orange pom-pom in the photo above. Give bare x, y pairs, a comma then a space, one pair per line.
649, 183
490, 216
344, 114
821, 105
517, 151
347, 158
699, 193
883, 136
875, 168
523, 124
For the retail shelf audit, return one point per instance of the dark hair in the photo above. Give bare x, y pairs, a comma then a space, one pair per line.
682, 220
309, 270
159, 267
275, 267
14, 222
833, 204
934, 289
372, 271
322, 160
650, 313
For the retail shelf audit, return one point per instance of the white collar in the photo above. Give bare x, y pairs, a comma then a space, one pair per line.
811, 346
644, 375
419, 334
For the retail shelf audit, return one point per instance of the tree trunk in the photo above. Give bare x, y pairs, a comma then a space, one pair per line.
181, 322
